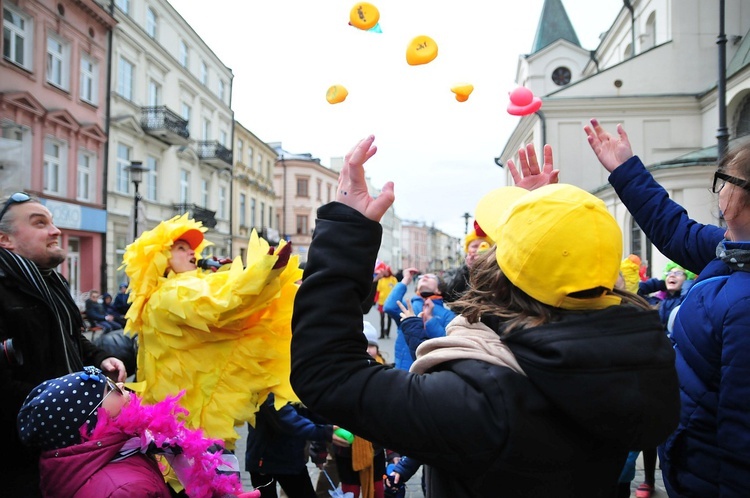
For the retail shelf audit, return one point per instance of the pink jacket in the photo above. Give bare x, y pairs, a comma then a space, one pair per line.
86, 471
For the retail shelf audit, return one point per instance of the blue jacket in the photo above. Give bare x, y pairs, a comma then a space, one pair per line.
441, 317
709, 453
670, 302
276, 445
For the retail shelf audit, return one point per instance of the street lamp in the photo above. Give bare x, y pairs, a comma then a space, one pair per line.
136, 171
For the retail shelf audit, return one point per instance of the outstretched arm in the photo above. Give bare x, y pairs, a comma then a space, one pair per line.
531, 177
610, 150
353, 187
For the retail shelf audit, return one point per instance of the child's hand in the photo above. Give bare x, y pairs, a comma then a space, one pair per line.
406, 310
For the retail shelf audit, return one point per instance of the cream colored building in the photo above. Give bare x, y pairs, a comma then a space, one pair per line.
654, 71
253, 196
171, 110
302, 184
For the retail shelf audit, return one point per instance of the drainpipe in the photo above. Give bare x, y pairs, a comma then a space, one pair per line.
629, 6
105, 163
231, 175
722, 134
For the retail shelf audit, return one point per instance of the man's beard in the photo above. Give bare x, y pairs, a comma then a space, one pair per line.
54, 260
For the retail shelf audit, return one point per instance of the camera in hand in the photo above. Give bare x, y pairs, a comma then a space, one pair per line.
10, 356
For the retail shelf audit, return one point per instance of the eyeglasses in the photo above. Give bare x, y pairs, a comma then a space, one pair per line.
674, 273
17, 198
113, 387
721, 179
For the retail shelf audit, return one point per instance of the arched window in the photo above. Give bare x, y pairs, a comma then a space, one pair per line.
648, 39
639, 244
742, 121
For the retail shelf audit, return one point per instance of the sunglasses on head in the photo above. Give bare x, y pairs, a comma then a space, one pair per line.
721, 179
17, 198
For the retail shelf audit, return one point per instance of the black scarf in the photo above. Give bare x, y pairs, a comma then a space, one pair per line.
50, 287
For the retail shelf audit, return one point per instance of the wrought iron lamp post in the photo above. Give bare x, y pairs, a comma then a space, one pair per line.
136, 171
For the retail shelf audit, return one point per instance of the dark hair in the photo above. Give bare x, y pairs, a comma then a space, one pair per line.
6, 223
738, 158
491, 293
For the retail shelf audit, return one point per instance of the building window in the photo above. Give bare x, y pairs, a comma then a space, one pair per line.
152, 22
250, 156
318, 189
122, 179
328, 193
302, 187
58, 65
206, 130
260, 163
252, 212
204, 73
54, 158
184, 186
222, 90
86, 177
270, 216
184, 54
223, 138
268, 169
240, 145
152, 178
125, 78
639, 243
89, 79
154, 93
204, 193
222, 202
17, 37
243, 209
301, 224
124, 5
262, 214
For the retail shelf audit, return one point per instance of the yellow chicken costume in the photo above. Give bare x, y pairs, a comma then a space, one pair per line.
223, 337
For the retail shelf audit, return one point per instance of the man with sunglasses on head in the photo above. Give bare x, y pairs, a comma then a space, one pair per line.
40, 328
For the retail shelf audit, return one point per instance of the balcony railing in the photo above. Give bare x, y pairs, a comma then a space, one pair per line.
165, 125
205, 216
213, 152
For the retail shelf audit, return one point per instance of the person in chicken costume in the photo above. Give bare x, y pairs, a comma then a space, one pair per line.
222, 336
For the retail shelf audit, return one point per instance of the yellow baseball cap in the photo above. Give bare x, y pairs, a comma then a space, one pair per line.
554, 241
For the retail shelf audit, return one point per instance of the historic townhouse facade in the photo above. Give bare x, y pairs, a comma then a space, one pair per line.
654, 71
253, 196
52, 121
171, 111
302, 185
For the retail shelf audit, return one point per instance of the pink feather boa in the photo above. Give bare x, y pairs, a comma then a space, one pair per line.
161, 424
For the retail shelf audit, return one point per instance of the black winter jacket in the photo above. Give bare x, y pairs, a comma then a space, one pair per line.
597, 385
30, 322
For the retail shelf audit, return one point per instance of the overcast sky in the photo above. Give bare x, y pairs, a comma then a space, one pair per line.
439, 152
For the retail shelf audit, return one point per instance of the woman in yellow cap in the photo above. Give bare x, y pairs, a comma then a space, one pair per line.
540, 388
223, 337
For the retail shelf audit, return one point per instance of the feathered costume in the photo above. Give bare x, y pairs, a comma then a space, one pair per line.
223, 337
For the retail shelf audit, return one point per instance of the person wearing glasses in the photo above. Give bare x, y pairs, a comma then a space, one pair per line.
40, 328
709, 453
97, 439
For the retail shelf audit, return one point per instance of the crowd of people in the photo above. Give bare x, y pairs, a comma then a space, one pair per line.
543, 367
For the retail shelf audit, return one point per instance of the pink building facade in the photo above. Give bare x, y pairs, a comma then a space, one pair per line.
53, 100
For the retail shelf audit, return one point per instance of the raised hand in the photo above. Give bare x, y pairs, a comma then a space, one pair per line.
531, 177
352, 189
610, 150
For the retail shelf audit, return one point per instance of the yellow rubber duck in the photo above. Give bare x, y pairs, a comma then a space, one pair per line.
421, 50
336, 94
463, 91
364, 16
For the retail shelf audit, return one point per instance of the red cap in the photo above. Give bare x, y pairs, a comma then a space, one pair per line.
193, 237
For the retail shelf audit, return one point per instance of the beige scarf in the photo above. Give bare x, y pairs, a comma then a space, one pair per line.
465, 341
